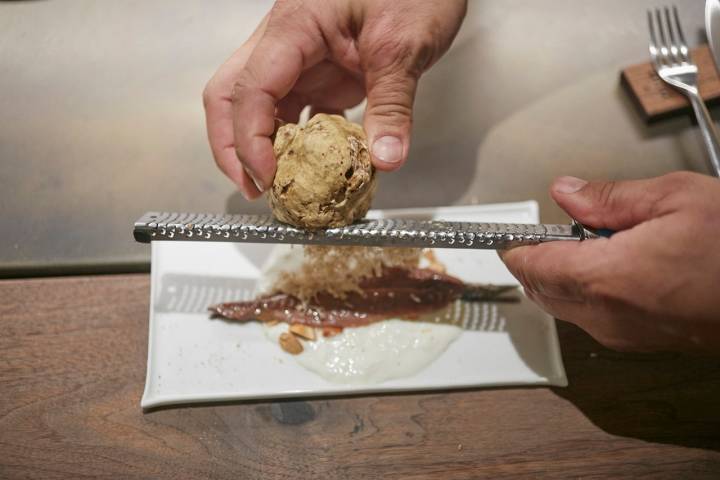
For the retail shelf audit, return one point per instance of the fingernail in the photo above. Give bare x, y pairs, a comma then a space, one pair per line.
569, 184
388, 149
257, 183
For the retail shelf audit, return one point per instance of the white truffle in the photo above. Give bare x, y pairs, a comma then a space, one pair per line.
324, 174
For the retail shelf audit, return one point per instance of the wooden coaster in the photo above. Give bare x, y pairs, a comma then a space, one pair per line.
656, 99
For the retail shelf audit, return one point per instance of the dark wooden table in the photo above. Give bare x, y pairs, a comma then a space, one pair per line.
72, 368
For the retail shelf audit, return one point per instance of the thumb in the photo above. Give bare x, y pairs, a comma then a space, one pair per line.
616, 205
388, 116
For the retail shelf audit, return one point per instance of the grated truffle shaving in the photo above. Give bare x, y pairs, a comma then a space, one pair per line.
338, 270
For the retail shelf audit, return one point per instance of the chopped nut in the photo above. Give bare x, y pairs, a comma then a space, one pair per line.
290, 343
267, 317
331, 331
434, 263
303, 331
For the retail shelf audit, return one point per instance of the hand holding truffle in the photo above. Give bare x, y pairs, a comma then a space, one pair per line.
329, 55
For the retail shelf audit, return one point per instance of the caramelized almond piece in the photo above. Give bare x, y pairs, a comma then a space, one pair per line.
434, 263
303, 331
331, 331
290, 343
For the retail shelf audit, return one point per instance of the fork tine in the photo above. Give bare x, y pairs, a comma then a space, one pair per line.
653, 40
663, 53
674, 52
681, 37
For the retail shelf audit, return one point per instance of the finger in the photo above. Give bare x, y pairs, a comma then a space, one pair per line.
329, 111
568, 311
228, 163
218, 114
291, 106
279, 58
616, 205
596, 320
616, 330
559, 270
388, 115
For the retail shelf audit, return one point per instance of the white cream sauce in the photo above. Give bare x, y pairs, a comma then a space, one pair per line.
362, 355
373, 353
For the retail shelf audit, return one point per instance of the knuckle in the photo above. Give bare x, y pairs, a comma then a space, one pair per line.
237, 91
389, 52
392, 111
421, 53
679, 180
675, 190
386, 54
245, 84
675, 183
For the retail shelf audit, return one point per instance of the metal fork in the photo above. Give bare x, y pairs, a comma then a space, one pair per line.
669, 53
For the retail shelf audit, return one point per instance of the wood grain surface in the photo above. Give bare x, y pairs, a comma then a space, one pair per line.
72, 368
656, 99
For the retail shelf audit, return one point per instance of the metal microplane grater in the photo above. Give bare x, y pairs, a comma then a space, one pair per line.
384, 232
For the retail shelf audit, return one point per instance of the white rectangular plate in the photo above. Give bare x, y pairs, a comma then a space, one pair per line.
192, 358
